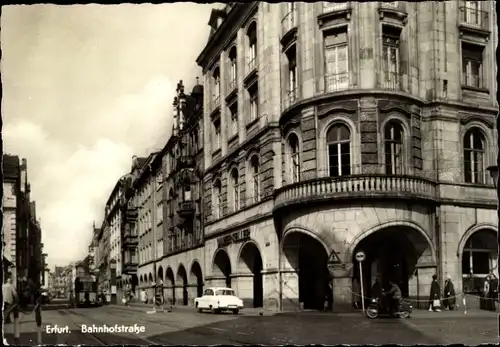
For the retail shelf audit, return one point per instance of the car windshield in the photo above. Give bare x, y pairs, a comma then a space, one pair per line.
224, 292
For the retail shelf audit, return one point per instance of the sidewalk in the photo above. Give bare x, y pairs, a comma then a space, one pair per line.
175, 308
417, 313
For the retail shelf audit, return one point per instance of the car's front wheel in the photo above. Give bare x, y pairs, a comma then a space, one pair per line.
236, 311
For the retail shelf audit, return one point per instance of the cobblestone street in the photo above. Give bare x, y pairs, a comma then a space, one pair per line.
185, 326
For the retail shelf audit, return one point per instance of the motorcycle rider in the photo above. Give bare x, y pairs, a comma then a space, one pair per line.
396, 296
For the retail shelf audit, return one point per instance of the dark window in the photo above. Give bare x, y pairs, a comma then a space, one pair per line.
474, 151
393, 143
339, 150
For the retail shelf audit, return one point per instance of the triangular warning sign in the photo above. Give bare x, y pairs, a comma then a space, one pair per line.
334, 258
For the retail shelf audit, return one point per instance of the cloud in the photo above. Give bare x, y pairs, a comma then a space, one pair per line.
84, 89
71, 182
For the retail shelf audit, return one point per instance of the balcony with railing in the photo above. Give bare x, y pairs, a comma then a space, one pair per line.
231, 85
289, 99
473, 81
333, 82
475, 20
289, 22
184, 162
390, 80
362, 186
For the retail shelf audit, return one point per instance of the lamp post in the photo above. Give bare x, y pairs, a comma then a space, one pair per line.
112, 267
493, 170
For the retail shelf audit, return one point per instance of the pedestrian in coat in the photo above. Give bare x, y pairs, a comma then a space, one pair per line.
356, 293
449, 294
488, 303
435, 295
376, 289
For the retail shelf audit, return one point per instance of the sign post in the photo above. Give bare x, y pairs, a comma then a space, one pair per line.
360, 256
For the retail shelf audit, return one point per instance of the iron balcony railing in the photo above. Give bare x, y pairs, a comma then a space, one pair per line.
474, 18
289, 99
216, 101
231, 85
336, 82
474, 81
390, 80
252, 64
288, 22
356, 186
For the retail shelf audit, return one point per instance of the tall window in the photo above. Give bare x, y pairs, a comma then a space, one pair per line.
252, 46
474, 150
336, 60
339, 150
255, 178
393, 146
479, 259
472, 61
216, 93
233, 124
390, 56
293, 144
235, 190
291, 55
216, 141
171, 202
253, 94
217, 200
473, 13
232, 69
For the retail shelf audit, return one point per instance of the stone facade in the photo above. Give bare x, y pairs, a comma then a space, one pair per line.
426, 198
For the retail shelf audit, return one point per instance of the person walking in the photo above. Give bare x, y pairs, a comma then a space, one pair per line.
356, 293
487, 293
449, 294
435, 296
10, 298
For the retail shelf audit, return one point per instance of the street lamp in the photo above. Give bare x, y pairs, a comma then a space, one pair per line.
493, 170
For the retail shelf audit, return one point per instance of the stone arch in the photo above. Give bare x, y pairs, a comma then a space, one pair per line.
169, 277
181, 276
354, 148
196, 277
141, 280
394, 223
221, 265
471, 231
170, 284
305, 255
160, 274
150, 278
249, 262
397, 250
182, 279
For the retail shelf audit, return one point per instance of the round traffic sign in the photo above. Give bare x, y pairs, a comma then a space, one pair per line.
360, 256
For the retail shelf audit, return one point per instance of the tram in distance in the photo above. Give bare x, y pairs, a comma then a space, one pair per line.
85, 292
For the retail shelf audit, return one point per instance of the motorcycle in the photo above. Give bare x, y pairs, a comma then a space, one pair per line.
376, 308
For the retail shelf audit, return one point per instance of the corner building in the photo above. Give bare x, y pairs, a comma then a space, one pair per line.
333, 128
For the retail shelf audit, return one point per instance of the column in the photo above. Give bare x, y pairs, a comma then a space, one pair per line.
179, 298
342, 287
215, 281
289, 290
422, 285
270, 279
242, 284
192, 293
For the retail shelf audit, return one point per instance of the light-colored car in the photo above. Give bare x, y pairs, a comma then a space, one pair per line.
219, 299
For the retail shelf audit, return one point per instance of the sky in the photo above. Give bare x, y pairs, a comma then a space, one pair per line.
85, 87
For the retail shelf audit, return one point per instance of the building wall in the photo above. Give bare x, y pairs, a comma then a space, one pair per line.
9, 221
431, 102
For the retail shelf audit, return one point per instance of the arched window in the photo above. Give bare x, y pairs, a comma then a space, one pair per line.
233, 68
252, 46
235, 189
171, 203
255, 178
294, 158
216, 93
479, 259
338, 140
217, 199
393, 148
474, 150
